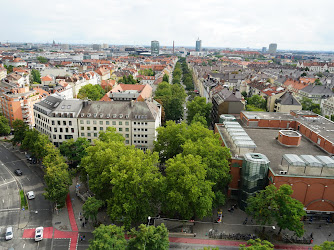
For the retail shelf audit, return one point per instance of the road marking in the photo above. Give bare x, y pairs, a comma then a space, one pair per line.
3, 201
10, 209
7, 183
28, 179
24, 245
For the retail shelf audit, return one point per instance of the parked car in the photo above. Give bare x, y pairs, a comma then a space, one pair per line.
31, 195
39, 233
9, 233
18, 172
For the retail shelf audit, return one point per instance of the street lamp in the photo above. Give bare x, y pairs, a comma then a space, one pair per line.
149, 219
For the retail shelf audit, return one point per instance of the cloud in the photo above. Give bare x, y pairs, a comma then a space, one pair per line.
218, 23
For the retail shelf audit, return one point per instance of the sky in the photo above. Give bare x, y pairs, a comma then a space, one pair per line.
292, 24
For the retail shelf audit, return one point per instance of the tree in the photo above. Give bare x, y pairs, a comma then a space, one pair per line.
57, 180
126, 177
317, 82
149, 237
244, 94
110, 135
307, 104
20, 129
303, 74
127, 80
35, 76
277, 205
74, 150
189, 194
257, 244
199, 106
257, 101
90, 91
327, 245
42, 59
108, 237
165, 78
4, 125
290, 211
91, 208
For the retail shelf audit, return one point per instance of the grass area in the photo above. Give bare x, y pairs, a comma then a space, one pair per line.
253, 108
24, 202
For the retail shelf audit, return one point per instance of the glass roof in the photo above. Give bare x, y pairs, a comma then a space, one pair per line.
244, 144
326, 160
311, 161
294, 160
241, 137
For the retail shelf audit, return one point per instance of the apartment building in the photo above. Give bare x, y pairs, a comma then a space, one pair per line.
64, 119
3, 72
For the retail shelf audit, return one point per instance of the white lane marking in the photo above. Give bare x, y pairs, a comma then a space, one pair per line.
7, 183
3, 201
24, 245
16, 209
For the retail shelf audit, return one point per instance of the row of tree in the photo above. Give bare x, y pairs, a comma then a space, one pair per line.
4, 125
187, 78
199, 111
172, 98
146, 72
57, 176
177, 73
128, 80
92, 92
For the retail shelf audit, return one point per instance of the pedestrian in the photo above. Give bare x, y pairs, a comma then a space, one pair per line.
311, 236
80, 237
84, 237
83, 224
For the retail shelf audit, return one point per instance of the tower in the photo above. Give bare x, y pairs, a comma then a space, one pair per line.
198, 45
155, 48
272, 48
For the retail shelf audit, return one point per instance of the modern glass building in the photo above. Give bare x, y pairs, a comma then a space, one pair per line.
155, 48
199, 45
254, 176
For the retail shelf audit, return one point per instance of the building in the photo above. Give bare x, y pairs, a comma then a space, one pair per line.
292, 148
138, 92
264, 50
62, 119
198, 45
3, 72
286, 103
317, 93
272, 48
97, 47
327, 107
155, 48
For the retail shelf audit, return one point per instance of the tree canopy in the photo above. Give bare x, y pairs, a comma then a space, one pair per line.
257, 244
326, 245
128, 80
149, 237
4, 125
199, 107
74, 151
35, 76
307, 104
42, 59
276, 205
91, 208
256, 102
108, 238
20, 129
90, 91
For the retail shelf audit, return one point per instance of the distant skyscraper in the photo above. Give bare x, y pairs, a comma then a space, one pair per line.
198, 45
97, 47
272, 48
264, 50
155, 48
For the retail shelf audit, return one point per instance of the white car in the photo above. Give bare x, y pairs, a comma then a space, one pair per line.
31, 195
9, 233
39, 233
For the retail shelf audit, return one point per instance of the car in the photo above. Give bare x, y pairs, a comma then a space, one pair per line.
39, 233
31, 195
18, 172
9, 233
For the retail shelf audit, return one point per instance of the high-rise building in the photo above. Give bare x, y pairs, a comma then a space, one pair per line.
264, 49
198, 45
97, 47
272, 48
155, 48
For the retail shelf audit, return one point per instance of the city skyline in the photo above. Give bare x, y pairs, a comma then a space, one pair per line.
292, 25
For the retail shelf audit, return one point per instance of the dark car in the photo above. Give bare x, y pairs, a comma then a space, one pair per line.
18, 172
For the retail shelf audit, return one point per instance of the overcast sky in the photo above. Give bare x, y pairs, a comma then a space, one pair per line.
292, 24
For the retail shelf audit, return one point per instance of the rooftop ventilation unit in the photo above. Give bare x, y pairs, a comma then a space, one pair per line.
108, 115
101, 115
82, 114
114, 116
88, 115
283, 172
95, 115
120, 116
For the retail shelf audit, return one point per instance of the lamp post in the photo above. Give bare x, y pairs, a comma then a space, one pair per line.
149, 219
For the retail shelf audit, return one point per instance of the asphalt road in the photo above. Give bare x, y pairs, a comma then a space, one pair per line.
39, 208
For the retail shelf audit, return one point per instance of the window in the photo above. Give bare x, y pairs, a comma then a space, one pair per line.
88, 128
89, 134
54, 137
145, 129
134, 141
127, 142
64, 123
135, 123
58, 122
127, 136
94, 122
95, 134
55, 129
101, 128
127, 129
101, 122
61, 130
107, 122
82, 128
113, 122
134, 135
53, 122
95, 128
87, 122
120, 123
66, 130
70, 123
72, 130
81, 122
134, 129
82, 134
60, 137
126, 123
120, 129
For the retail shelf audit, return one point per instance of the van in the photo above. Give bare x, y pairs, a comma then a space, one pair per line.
9, 233
31, 195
